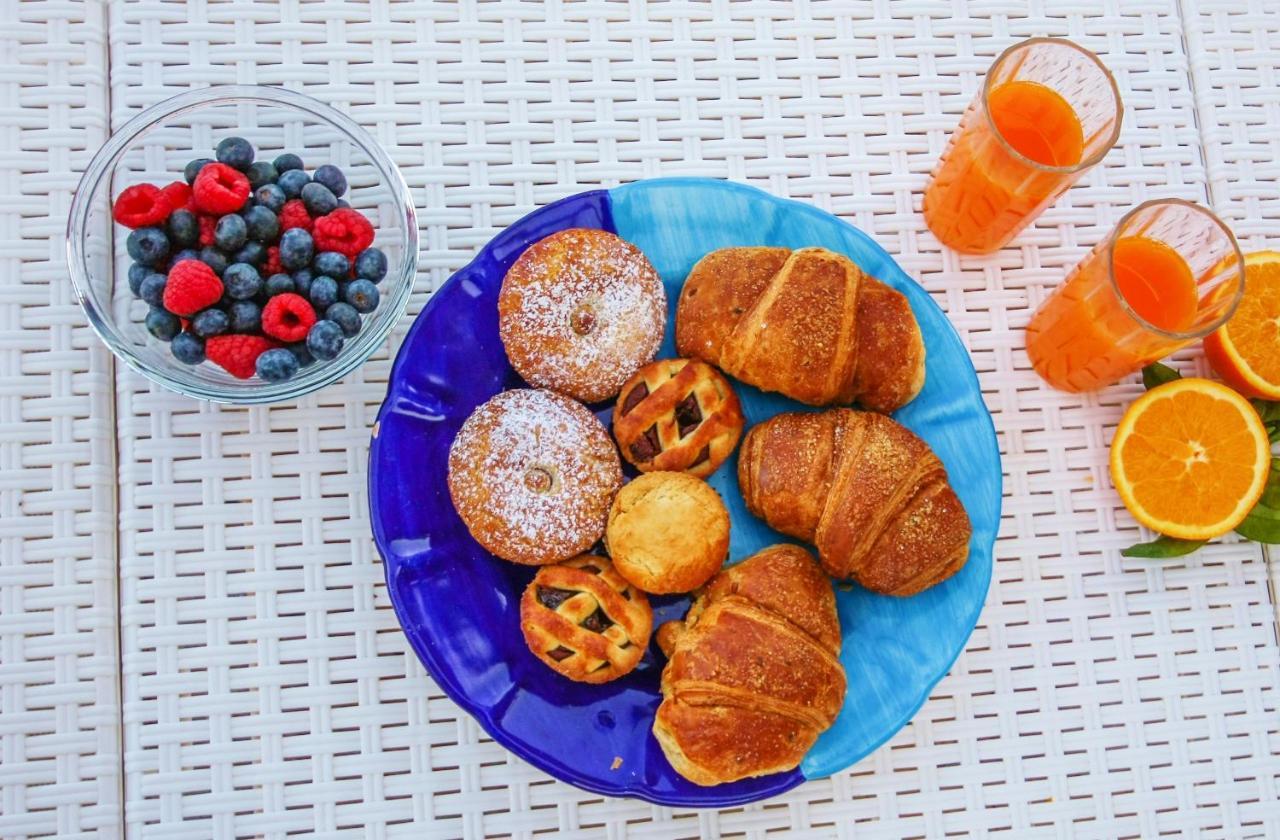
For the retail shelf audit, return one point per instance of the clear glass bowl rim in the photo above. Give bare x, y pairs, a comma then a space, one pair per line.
399, 282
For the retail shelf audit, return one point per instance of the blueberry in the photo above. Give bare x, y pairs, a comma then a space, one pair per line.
371, 264
361, 294
271, 197
235, 151
252, 253
241, 281
343, 204
324, 340
332, 177
262, 223
214, 258
230, 233
152, 289
210, 322
301, 353
261, 173
302, 282
278, 284
184, 254
296, 248
318, 200
331, 263
246, 316
292, 182
137, 273
283, 163
276, 365
324, 292
193, 168
183, 228
187, 348
148, 246
345, 316
162, 324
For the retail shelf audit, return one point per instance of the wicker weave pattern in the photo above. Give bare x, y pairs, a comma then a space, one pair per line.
59, 747
267, 688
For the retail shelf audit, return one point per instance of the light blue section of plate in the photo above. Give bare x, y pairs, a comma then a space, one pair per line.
895, 649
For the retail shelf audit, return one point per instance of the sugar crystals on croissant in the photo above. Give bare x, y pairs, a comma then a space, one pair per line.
870, 495
809, 324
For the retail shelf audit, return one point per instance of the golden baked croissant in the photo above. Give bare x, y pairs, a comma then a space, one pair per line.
753, 676
867, 492
809, 324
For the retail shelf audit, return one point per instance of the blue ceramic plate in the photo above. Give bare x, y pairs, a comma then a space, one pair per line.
459, 605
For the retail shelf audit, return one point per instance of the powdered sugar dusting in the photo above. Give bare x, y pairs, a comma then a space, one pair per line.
517, 517
576, 278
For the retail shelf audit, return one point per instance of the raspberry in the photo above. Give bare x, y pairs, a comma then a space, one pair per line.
237, 354
294, 215
219, 189
272, 264
192, 286
287, 317
207, 226
140, 206
345, 231
178, 194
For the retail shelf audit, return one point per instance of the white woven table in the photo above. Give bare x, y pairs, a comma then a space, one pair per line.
195, 639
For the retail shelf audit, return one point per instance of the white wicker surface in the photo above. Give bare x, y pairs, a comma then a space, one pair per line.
59, 713
266, 686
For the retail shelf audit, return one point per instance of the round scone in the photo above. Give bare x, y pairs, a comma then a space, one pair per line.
584, 621
668, 532
532, 473
580, 311
677, 414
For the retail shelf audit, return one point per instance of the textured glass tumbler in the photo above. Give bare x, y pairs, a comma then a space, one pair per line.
1047, 112
1170, 273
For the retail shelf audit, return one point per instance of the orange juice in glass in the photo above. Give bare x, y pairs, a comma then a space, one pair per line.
1169, 273
1048, 110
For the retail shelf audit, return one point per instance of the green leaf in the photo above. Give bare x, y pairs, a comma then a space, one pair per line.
1163, 547
1270, 414
1267, 410
1263, 522
1156, 374
1261, 525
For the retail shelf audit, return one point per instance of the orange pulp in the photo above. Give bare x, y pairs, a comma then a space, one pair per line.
981, 195
1082, 339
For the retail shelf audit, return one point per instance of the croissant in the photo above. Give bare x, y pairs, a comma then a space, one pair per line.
871, 496
809, 324
753, 676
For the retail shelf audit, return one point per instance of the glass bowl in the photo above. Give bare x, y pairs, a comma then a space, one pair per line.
154, 146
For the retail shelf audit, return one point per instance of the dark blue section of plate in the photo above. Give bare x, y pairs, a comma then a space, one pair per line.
459, 606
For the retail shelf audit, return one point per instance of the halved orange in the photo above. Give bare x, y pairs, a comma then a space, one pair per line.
1245, 351
1190, 459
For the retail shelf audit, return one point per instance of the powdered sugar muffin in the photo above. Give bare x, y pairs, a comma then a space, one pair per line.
532, 474
580, 311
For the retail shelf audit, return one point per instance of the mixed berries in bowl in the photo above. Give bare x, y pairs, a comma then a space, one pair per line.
269, 261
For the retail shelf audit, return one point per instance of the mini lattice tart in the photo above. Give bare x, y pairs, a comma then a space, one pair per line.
679, 415
583, 620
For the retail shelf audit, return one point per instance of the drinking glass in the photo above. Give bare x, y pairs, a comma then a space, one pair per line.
1170, 273
1048, 111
